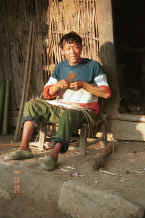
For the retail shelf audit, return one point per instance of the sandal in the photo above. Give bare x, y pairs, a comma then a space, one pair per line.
49, 163
19, 155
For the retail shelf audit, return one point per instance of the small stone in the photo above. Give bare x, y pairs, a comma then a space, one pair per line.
127, 172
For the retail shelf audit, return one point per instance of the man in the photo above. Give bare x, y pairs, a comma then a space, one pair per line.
75, 85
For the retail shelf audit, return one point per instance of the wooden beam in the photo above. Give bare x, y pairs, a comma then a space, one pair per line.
128, 130
128, 117
107, 50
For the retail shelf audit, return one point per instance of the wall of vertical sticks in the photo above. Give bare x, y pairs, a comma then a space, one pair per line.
51, 19
73, 15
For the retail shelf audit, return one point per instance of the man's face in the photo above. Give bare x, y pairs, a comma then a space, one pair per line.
72, 52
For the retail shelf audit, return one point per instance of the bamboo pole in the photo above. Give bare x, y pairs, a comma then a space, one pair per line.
4, 129
2, 91
26, 80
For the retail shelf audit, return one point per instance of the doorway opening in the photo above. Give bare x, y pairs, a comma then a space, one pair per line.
129, 34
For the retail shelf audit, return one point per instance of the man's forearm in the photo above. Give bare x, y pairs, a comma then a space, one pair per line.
97, 91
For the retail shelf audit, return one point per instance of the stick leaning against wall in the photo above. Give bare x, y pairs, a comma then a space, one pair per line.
27, 75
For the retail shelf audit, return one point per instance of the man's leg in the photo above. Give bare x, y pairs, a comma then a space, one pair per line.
50, 163
33, 111
26, 134
23, 152
55, 152
69, 122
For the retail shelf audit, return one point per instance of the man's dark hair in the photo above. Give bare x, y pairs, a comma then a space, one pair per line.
70, 37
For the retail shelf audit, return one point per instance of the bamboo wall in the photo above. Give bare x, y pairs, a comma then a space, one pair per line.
16, 17
73, 15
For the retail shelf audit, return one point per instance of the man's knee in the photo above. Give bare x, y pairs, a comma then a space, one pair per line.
71, 116
30, 107
30, 103
67, 114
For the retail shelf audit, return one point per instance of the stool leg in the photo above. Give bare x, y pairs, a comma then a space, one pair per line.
83, 141
104, 130
42, 136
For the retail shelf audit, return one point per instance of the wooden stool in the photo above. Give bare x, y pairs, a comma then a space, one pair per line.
101, 125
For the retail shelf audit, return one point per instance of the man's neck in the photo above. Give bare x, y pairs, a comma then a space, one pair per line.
76, 63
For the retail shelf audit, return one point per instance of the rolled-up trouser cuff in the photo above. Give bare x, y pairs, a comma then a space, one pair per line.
29, 118
64, 144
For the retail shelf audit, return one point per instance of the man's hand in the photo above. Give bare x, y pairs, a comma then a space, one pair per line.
93, 89
76, 85
62, 84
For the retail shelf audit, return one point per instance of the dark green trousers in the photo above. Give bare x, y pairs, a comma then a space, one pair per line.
69, 120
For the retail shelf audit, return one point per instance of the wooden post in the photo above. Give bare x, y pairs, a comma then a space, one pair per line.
107, 50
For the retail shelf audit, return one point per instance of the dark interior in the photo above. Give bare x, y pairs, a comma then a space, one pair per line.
129, 34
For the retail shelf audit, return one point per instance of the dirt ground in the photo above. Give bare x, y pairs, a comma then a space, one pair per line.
124, 172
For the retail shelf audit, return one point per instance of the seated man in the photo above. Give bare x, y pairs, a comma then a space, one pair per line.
74, 86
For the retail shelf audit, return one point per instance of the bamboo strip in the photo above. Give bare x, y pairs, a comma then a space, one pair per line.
4, 129
2, 91
37, 10
80, 32
29, 67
